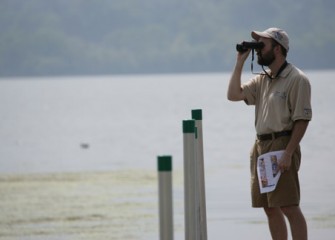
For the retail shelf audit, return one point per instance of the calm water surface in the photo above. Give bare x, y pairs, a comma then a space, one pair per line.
78, 156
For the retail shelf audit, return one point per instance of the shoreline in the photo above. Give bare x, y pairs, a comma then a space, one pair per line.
56, 203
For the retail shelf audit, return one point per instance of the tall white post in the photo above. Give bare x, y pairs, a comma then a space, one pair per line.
165, 197
197, 116
189, 180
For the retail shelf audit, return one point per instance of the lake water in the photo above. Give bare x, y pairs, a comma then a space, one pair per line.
78, 156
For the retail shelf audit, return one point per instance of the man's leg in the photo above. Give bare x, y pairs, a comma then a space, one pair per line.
277, 223
297, 222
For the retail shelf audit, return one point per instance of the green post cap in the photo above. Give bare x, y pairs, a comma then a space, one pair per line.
164, 163
188, 126
197, 114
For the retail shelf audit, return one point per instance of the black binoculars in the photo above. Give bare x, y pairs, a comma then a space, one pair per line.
244, 46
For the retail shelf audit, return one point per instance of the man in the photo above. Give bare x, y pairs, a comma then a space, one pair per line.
282, 100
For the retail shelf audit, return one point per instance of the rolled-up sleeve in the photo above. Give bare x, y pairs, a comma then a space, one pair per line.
250, 91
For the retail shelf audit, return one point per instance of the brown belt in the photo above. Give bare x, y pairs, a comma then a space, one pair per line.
271, 136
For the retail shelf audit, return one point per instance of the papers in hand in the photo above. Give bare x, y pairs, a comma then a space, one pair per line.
268, 171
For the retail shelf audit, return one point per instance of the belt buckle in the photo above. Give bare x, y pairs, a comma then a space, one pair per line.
273, 136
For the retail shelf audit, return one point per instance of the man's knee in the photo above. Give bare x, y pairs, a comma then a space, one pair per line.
272, 212
290, 211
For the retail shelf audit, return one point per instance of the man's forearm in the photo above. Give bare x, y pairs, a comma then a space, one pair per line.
298, 132
234, 88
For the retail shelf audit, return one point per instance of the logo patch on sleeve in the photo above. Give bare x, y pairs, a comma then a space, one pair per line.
307, 112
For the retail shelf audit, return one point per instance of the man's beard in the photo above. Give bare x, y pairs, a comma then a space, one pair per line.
266, 59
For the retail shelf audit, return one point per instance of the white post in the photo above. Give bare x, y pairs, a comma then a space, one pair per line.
197, 116
189, 180
165, 197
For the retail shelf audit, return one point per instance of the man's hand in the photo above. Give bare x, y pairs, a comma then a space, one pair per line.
241, 57
285, 162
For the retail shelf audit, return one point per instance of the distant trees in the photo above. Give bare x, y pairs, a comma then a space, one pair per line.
45, 37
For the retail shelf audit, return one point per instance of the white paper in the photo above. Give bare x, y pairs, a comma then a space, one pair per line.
268, 171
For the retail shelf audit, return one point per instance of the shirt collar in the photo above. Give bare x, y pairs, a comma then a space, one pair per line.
285, 71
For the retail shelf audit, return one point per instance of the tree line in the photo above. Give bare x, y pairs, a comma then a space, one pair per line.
78, 37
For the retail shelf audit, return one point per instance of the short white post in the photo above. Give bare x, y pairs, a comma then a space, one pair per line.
197, 116
189, 180
165, 197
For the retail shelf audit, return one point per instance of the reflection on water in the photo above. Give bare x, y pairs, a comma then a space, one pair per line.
123, 205
79, 206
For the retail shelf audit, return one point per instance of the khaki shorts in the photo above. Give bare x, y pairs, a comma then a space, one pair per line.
287, 192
